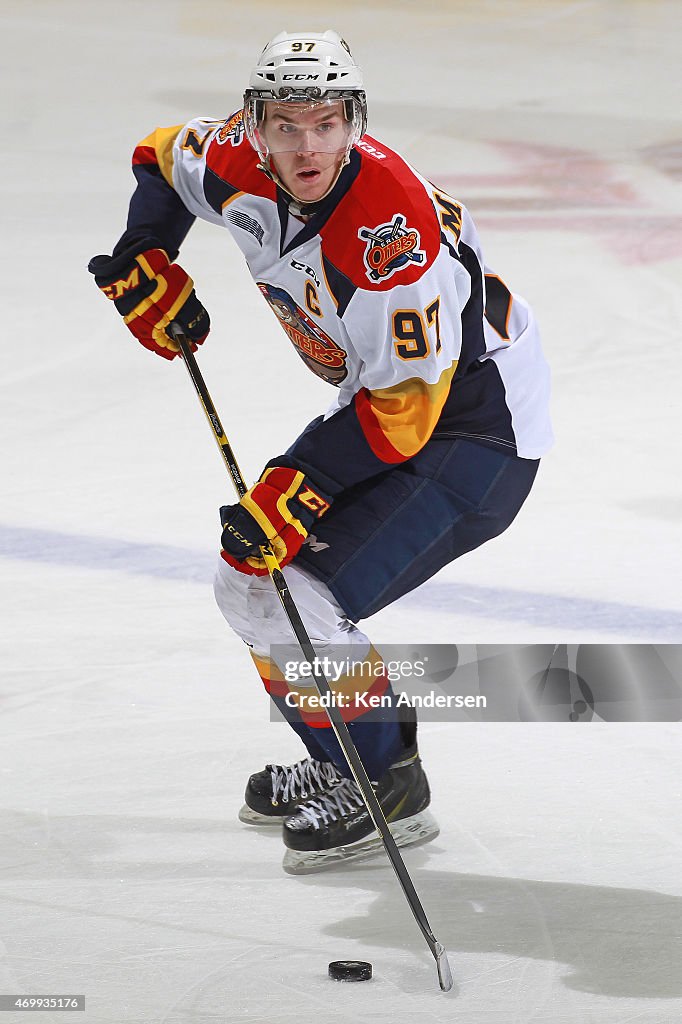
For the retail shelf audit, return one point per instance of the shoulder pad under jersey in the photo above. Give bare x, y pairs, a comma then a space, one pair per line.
232, 165
385, 231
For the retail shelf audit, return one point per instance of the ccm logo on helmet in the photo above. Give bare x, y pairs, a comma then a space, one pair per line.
300, 78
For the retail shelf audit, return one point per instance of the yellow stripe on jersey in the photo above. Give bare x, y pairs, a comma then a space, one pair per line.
161, 141
408, 412
231, 199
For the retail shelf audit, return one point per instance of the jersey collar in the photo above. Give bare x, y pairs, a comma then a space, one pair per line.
319, 212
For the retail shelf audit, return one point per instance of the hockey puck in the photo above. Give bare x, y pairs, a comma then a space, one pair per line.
350, 970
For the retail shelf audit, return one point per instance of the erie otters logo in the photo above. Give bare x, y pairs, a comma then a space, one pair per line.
233, 129
390, 247
318, 351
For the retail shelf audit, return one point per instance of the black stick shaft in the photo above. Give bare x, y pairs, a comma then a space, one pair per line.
340, 728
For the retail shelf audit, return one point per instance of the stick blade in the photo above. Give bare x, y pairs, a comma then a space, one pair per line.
443, 965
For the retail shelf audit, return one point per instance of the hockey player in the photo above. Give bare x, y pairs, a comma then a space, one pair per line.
431, 445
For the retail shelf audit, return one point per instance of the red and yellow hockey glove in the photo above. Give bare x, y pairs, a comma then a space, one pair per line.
281, 508
150, 293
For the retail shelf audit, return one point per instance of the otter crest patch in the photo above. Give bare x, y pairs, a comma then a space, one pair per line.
390, 248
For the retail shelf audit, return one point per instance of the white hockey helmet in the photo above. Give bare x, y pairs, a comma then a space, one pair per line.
305, 67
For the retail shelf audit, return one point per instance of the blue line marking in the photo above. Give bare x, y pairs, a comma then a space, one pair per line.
160, 561
556, 611
163, 561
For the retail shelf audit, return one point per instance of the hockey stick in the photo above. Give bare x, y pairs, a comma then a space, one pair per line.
339, 726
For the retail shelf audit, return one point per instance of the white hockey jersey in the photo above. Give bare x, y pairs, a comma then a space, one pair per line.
384, 294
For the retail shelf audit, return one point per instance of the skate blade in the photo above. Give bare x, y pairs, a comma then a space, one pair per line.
251, 817
414, 831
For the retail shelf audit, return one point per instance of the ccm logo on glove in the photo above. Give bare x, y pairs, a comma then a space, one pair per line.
151, 293
280, 508
118, 288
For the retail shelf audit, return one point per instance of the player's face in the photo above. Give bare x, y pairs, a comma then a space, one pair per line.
307, 143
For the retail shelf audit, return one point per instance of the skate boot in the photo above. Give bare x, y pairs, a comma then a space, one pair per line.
335, 826
278, 789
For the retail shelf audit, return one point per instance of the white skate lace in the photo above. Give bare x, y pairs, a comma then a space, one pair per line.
344, 798
301, 779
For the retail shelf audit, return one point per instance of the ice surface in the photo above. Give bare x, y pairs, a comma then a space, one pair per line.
131, 716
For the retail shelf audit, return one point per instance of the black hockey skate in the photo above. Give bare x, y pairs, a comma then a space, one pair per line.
335, 827
279, 789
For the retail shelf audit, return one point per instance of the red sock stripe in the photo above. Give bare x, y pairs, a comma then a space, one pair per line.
318, 719
275, 687
350, 713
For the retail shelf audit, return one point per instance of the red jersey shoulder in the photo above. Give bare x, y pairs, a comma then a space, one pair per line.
231, 157
385, 231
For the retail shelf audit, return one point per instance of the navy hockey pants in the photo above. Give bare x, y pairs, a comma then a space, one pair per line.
384, 537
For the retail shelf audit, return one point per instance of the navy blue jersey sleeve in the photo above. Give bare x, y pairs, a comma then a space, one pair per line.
356, 442
156, 210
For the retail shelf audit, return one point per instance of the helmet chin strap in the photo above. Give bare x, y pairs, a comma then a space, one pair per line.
298, 207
